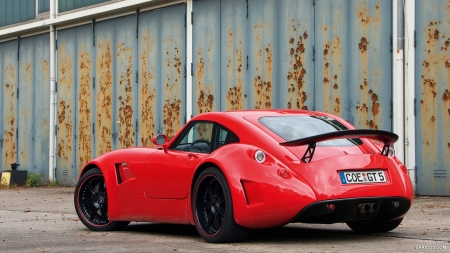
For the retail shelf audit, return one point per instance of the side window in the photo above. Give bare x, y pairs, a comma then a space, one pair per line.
226, 137
196, 139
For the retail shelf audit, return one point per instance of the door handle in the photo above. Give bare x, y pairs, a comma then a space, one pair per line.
192, 156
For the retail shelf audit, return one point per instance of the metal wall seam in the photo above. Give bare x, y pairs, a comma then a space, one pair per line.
189, 60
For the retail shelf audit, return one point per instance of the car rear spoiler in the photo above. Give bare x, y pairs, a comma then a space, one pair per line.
384, 136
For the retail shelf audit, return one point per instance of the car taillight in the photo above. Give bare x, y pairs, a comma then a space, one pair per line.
259, 156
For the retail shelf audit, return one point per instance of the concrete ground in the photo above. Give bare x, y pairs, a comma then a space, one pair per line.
44, 220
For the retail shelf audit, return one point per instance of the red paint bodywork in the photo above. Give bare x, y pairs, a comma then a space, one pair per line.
156, 184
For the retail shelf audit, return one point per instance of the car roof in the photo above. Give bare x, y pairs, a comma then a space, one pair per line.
273, 112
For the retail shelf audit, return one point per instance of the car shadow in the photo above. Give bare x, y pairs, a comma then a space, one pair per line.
291, 233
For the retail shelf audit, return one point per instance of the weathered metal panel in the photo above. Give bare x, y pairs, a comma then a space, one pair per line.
34, 104
295, 46
9, 81
125, 81
354, 57
333, 58
67, 5
104, 73
161, 79
17, 11
75, 101
173, 61
263, 70
43, 6
432, 94
85, 67
115, 84
66, 130
206, 57
149, 85
234, 73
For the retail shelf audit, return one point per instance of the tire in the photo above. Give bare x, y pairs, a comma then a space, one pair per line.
91, 203
374, 227
213, 209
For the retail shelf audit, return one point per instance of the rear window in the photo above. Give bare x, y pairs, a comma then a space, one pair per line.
298, 127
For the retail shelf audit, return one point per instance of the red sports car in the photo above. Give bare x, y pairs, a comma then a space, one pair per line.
228, 172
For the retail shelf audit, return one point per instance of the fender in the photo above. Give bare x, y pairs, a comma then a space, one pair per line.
261, 197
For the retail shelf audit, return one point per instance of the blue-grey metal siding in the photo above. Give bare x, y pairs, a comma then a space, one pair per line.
120, 82
67, 5
43, 6
13, 11
76, 62
353, 54
162, 77
34, 105
9, 70
333, 56
432, 93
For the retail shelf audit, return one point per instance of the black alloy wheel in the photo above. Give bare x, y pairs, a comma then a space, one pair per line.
212, 208
91, 203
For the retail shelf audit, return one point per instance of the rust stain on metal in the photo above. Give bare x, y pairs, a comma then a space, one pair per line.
103, 131
9, 134
46, 69
332, 54
148, 94
296, 76
262, 81
205, 101
84, 110
65, 127
172, 104
363, 45
126, 136
28, 72
234, 94
364, 17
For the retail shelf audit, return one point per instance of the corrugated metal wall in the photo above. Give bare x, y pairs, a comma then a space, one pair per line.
433, 97
34, 110
322, 55
24, 111
120, 81
43, 6
9, 75
14, 11
67, 5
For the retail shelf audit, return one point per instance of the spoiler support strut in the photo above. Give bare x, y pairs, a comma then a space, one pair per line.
306, 158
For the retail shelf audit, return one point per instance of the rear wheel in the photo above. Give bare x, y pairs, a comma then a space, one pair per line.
374, 227
91, 202
213, 210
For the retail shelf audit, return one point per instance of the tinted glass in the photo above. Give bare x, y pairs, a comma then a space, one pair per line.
298, 127
197, 139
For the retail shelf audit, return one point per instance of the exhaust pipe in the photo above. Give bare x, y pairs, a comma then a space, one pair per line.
368, 208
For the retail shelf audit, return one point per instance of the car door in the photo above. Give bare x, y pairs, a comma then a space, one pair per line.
168, 174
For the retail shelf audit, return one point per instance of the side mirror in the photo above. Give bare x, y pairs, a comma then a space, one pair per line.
161, 140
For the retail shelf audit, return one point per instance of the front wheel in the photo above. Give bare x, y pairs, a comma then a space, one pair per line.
213, 210
91, 202
374, 227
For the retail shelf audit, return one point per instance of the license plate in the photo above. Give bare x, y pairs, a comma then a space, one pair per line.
362, 177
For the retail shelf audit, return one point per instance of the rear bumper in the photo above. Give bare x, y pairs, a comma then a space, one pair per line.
346, 210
